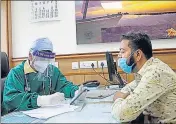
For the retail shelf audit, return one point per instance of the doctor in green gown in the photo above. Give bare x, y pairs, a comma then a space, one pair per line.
36, 82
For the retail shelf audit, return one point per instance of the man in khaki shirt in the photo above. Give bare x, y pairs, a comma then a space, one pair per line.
153, 92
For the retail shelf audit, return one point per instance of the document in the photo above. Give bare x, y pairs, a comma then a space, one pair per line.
50, 111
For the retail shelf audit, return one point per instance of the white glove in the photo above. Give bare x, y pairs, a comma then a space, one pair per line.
47, 100
83, 95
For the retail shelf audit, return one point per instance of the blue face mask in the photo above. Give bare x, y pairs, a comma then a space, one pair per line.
122, 62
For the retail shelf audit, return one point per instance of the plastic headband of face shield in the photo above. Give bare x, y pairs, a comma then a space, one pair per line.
44, 55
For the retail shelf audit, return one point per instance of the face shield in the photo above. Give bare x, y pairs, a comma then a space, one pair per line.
43, 62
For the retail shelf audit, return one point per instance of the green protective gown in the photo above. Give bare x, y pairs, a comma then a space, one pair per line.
15, 98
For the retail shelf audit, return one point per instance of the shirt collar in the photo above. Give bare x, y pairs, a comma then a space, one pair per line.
27, 68
147, 63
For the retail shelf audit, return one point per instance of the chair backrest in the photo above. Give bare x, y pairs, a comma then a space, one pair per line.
4, 65
2, 88
4, 71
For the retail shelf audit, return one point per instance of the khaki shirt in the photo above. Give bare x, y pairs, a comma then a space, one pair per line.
153, 92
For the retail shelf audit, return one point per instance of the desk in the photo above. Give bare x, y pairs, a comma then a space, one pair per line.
95, 110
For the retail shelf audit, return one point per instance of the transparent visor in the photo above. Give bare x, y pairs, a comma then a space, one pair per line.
44, 63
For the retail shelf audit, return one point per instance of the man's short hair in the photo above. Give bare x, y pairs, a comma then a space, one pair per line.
139, 41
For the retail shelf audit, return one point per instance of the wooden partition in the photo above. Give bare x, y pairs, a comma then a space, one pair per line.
6, 29
80, 75
4, 43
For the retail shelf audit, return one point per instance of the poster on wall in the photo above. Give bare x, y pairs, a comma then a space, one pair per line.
106, 21
44, 11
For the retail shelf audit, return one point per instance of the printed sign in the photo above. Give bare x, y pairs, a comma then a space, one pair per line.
44, 11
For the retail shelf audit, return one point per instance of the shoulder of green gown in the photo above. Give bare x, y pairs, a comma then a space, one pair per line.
19, 68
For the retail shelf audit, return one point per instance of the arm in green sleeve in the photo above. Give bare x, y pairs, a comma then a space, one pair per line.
65, 86
14, 96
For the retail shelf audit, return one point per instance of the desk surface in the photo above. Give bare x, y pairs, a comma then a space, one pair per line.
94, 110
91, 113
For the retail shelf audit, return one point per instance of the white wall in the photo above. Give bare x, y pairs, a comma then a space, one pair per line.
62, 33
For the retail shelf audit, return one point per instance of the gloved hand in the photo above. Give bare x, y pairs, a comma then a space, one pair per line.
83, 95
52, 99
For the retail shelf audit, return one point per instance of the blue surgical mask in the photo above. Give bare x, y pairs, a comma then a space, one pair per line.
122, 62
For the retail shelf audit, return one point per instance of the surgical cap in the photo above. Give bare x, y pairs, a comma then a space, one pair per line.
42, 44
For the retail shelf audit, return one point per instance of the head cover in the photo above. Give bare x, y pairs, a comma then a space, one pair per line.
122, 62
42, 44
43, 58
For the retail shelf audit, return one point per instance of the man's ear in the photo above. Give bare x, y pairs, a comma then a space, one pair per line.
138, 55
30, 57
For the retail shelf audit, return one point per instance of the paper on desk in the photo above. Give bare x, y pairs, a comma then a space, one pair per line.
50, 111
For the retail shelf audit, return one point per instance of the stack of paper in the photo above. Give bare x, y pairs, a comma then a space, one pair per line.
50, 111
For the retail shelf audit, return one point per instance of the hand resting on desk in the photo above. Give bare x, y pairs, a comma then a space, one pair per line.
53, 99
120, 95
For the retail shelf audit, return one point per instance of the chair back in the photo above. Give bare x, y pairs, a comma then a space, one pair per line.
4, 71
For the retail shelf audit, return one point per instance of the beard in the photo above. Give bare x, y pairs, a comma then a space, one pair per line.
131, 62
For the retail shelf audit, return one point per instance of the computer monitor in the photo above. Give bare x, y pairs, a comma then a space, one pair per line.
114, 76
110, 64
